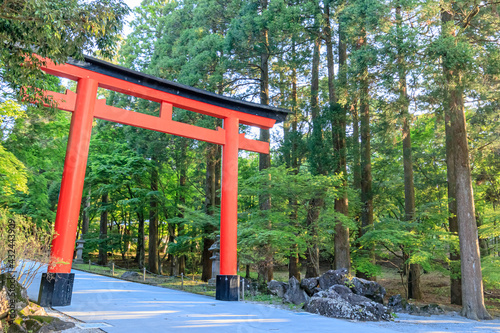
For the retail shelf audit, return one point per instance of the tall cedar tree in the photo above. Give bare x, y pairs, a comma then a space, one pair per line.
265, 270
472, 283
366, 164
316, 204
342, 257
414, 272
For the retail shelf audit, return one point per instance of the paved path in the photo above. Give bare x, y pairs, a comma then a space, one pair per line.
122, 306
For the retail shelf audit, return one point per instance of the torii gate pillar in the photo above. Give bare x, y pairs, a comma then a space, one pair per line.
228, 282
57, 284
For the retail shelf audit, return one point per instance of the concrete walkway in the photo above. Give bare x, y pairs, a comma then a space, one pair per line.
121, 306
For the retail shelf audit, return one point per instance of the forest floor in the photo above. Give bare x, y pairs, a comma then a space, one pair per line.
435, 285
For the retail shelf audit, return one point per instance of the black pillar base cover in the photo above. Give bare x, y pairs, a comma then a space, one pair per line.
56, 289
227, 288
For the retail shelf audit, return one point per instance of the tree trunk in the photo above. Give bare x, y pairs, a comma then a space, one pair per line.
85, 216
455, 278
171, 259
140, 251
210, 195
182, 200
355, 144
472, 283
455, 275
103, 232
366, 166
483, 243
472, 280
342, 258
315, 205
312, 255
153, 225
294, 264
414, 291
265, 268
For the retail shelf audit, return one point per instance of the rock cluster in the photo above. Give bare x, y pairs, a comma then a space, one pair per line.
398, 304
334, 294
28, 317
9, 286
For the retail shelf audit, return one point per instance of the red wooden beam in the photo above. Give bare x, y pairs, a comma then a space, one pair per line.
163, 124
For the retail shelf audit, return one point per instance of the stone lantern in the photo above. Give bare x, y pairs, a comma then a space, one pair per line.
79, 251
215, 248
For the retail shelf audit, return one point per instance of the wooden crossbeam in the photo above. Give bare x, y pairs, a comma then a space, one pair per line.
163, 123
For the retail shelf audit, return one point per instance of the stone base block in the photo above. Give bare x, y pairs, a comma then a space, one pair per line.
56, 289
227, 288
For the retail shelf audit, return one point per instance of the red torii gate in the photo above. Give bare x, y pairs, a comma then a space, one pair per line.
57, 284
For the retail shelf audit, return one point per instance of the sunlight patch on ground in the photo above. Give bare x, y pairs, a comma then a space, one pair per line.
491, 327
226, 322
219, 315
432, 321
174, 302
119, 315
95, 291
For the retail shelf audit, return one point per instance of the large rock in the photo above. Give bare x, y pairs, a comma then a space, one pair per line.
431, 309
39, 324
332, 277
9, 286
277, 288
33, 309
130, 275
398, 304
340, 302
343, 291
310, 285
56, 325
370, 289
295, 294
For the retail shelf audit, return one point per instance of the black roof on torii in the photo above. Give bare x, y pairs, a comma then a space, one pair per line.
150, 81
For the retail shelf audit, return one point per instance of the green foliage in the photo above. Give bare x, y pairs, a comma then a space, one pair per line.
75, 27
24, 245
12, 175
491, 272
284, 224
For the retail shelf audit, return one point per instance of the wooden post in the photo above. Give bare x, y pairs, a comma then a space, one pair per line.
144, 273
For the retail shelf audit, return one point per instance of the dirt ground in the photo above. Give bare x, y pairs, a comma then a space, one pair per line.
435, 289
